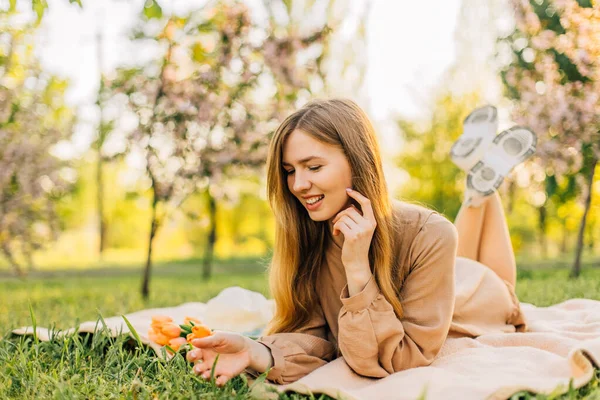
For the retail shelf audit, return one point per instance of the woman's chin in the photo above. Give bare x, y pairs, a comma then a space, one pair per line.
319, 215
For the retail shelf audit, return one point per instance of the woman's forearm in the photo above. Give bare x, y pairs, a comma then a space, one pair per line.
260, 356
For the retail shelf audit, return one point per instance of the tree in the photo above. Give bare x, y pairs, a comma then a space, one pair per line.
209, 103
553, 78
434, 179
33, 118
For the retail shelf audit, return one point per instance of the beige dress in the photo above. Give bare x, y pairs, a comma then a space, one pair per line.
443, 296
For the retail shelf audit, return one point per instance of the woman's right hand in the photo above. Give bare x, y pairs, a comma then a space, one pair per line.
234, 352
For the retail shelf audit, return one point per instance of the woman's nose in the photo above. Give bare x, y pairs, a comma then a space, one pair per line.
300, 183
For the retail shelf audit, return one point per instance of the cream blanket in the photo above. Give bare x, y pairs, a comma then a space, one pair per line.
562, 344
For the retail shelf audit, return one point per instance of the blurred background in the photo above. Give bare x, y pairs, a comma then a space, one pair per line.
134, 132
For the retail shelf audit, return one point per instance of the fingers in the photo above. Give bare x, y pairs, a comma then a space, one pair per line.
344, 225
207, 342
352, 210
365, 204
194, 355
222, 380
204, 369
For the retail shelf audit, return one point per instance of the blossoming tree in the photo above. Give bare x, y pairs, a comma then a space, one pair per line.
210, 101
554, 79
33, 118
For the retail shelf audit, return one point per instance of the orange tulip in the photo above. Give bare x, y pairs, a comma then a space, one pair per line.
158, 338
161, 319
196, 321
170, 330
201, 331
177, 342
164, 331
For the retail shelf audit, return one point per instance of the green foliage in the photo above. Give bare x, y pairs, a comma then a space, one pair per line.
39, 7
152, 10
570, 71
548, 16
434, 179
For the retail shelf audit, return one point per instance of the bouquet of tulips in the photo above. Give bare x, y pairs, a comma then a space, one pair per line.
165, 332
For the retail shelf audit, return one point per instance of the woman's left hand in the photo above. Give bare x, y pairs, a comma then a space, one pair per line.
358, 230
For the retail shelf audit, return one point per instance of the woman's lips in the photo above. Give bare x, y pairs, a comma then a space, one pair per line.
316, 205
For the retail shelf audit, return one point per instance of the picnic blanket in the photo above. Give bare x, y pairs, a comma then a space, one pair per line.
561, 348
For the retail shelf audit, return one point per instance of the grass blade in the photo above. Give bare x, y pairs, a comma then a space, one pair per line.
212, 370
133, 332
34, 322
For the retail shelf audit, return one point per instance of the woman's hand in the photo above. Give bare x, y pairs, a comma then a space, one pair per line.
234, 352
358, 229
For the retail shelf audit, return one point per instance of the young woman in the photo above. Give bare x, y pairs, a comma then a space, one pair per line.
356, 274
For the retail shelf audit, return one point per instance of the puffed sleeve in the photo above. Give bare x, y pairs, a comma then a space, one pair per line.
296, 354
371, 338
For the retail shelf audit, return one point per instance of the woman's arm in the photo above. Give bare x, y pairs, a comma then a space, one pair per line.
296, 354
260, 356
373, 341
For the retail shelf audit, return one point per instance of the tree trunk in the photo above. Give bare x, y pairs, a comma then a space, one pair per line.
542, 213
565, 237
212, 237
101, 138
587, 202
29, 257
11, 260
100, 200
511, 196
153, 229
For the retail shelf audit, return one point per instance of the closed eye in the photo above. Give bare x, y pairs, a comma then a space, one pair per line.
310, 168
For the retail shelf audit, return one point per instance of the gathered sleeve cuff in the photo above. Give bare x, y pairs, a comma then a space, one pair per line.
296, 354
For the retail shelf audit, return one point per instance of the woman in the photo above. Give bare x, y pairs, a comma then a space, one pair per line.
358, 275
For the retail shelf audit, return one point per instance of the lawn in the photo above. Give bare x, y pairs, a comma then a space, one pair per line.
98, 367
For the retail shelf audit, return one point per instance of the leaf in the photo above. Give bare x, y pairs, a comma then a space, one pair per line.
170, 349
34, 323
288, 6
152, 10
39, 6
570, 70
548, 16
585, 3
133, 331
12, 5
212, 370
76, 2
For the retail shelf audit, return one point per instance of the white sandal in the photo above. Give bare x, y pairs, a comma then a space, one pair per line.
479, 130
509, 148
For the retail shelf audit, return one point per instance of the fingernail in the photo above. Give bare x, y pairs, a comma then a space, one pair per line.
194, 353
348, 190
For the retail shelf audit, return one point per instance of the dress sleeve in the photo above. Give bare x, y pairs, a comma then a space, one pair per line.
373, 341
296, 354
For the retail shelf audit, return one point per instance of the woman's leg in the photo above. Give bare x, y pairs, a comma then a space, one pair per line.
483, 237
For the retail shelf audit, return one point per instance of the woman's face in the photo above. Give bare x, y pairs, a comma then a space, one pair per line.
327, 174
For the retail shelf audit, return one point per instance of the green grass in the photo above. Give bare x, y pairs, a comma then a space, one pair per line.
95, 366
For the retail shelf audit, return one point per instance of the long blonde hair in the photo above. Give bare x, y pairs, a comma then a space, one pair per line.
300, 242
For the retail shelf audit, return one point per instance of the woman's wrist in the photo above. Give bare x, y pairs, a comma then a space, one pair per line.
357, 282
260, 356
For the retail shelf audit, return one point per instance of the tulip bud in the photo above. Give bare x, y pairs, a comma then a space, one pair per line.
171, 330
